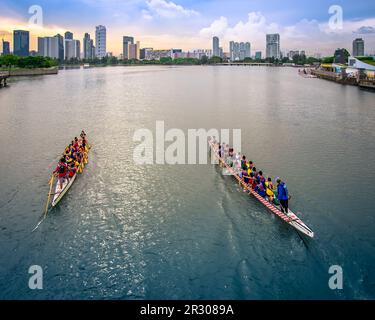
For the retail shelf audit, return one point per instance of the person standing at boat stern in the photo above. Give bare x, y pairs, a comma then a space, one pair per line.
283, 195
61, 171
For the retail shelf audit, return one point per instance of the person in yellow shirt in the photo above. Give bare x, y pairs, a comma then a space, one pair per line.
269, 189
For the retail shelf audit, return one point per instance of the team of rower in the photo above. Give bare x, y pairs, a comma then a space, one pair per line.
73, 159
255, 179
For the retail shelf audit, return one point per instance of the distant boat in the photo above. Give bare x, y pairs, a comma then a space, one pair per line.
86, 66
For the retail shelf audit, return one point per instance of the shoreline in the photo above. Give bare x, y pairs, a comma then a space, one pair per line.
21, 72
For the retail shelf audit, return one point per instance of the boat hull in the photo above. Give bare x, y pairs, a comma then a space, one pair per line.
59, 193
291, 218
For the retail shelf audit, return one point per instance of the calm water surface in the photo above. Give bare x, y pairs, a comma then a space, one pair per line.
186, 232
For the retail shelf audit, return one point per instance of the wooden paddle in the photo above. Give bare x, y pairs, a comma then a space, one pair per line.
49, 193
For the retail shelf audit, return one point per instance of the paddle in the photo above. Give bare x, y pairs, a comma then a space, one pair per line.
48, 199
49, 194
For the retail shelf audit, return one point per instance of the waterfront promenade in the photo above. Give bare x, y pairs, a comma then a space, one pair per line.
245, 64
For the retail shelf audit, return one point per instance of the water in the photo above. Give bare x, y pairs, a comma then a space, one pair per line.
186, 232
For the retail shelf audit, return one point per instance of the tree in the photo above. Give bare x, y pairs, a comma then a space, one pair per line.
9, 60
328, 59
215, 59
204, 60
166, 60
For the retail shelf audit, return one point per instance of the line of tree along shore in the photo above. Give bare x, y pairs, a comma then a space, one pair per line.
298, 59
12, 61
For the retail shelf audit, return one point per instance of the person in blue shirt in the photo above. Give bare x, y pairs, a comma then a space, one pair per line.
283, 195
260, 190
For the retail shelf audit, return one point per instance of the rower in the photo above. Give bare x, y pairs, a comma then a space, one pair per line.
243, 163
260, 190
269, 189
282, 195
61, 171
261, 178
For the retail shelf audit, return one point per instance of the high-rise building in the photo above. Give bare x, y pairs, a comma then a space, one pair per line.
341, 56
215, 47
68, 35
142, 52
273, 46
101, 41
151, 54
138, 54
72, 49
48, 47
126, 41
293, 53
247, 50
88, 47
133, 51
6, 48
258, 55
21, 43
52, 47
60, 41
239, 51
358, 47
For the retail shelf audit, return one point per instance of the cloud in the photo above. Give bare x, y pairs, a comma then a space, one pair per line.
217, 28
365, 30
309, 35
253, 29
166, 9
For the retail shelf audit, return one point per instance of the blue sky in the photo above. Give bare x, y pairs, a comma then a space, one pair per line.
189, 24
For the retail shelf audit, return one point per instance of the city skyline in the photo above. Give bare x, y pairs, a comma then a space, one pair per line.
191, 25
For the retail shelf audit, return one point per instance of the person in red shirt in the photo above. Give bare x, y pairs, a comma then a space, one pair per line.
61, 170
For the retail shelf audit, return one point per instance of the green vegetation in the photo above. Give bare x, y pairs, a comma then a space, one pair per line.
113, 61
328, 59
368, 60
12, 61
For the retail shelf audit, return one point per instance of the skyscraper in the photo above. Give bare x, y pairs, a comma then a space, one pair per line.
48, 47
215, 47
134, 51
138, 54
101, 41
239, 51
358, 47
52, 47
247, 50
273, 46
60, 44
21, 43
6, 48
68, 35
258, 55
88, 47
126, 41
72, 49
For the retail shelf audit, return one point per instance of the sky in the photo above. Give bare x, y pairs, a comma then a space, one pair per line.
316, 27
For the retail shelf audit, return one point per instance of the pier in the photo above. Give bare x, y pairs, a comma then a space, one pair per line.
248, 64
3, 79
368, 84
